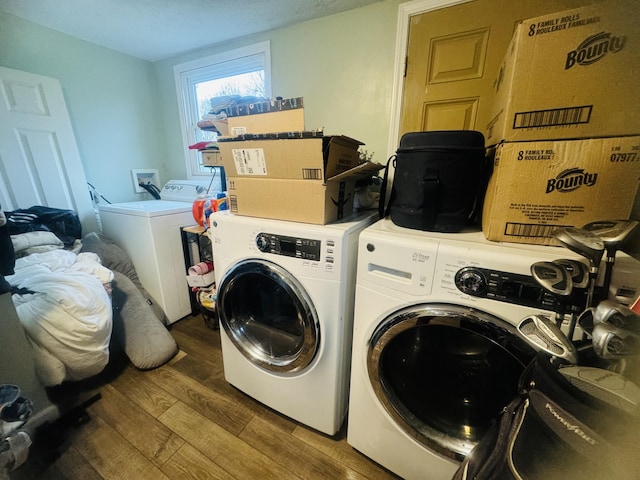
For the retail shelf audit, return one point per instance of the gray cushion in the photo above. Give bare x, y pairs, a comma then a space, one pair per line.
144, 338
116, 259
138, 321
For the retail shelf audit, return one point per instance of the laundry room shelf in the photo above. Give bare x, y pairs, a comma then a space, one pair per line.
196, 245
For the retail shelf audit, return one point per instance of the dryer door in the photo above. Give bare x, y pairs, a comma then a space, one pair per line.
268, 316
445, 372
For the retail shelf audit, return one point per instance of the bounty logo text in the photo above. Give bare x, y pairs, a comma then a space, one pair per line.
570, 180
595, 48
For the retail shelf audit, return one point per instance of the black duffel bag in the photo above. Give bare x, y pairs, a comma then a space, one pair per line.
64, 224
438, 180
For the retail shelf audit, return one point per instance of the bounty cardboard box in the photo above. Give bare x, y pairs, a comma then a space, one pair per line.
537, 187
307, 156
572, 74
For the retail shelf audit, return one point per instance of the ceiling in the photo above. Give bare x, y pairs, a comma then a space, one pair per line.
156, 29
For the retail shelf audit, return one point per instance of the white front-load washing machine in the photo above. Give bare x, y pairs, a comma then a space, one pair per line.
285, 295
436, 355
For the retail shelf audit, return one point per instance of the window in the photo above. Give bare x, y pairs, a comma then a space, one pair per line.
246, 71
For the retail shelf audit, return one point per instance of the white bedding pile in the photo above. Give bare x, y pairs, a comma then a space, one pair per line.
69, 318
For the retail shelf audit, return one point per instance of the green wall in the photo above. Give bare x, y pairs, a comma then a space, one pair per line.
125, 112
111, 98
342, 65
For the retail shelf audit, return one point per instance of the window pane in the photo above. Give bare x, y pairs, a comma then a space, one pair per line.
246, 84
243, 72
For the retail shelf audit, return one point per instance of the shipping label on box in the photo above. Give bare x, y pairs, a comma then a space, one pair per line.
249, 161
568, 75
537, 187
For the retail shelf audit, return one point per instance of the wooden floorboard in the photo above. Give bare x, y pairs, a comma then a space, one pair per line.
184, 421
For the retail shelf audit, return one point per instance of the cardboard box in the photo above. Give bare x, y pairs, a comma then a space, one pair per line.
316, 158
281, 121
568, 75
537, 187
201, 280
306, 201
310, 179
267, 122
211, 158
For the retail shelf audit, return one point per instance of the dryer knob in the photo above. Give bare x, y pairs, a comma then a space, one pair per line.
263, 242
471, 282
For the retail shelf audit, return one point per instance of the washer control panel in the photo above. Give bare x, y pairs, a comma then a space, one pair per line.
504, 287
297, 247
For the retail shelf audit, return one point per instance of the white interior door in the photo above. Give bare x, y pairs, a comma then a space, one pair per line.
39, 159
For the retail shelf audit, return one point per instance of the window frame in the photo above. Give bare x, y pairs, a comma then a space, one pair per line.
208, 68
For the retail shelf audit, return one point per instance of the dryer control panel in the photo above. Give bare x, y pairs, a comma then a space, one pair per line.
504, 287
297, 247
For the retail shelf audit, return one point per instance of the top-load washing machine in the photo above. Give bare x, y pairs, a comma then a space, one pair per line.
149, 231
285, 294
436, 354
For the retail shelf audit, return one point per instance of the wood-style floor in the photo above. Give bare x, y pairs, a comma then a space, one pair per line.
184, 421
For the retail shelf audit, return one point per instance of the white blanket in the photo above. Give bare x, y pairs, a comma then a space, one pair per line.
68, 319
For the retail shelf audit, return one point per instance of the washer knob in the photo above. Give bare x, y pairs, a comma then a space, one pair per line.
471, 281
263, 242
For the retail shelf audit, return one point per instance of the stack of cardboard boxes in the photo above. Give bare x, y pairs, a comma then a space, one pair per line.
566, 124
277, 169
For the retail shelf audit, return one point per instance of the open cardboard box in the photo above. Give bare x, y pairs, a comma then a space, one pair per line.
309, 180
309, 158
303, 201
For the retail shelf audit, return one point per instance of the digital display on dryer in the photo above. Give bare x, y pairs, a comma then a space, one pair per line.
287, 247
531, 293
303, 248
503, 287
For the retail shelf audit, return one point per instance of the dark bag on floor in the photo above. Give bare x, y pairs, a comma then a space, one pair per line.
560, 430
64, 224
437, 182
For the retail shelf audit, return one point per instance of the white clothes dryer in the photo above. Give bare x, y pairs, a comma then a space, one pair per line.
285, 295
149, 231
436, 355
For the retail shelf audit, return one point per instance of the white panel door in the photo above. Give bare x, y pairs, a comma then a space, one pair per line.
39, 159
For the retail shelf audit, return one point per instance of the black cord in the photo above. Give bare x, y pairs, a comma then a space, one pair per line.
211, 182
91, 192
152, 189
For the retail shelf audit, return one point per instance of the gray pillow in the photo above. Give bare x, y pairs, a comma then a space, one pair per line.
116, 259
143, 337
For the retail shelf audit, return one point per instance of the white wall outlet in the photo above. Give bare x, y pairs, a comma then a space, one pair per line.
145, 175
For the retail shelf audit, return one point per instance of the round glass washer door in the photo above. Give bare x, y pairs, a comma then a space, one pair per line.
268, 316
445, 372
